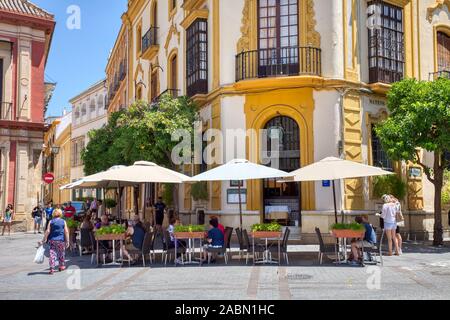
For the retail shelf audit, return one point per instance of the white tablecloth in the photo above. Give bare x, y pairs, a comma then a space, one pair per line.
270, 209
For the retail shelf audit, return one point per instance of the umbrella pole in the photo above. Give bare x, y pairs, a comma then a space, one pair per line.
240, 204
334, 201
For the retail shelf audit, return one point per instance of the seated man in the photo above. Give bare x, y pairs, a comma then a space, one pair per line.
215, 237
137, 234
370, 239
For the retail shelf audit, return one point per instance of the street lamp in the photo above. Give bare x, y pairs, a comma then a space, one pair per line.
55, 150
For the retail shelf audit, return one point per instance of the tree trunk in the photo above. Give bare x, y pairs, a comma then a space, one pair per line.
438, 173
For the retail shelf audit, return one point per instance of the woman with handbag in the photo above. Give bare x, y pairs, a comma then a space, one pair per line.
57, 235
389, 215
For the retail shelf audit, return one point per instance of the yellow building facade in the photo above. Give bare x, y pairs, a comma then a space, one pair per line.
62, 160
318, 70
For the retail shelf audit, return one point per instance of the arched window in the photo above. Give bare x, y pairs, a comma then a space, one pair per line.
92, 106
100, 103
138, 40
83, 110
173, 73
443, 51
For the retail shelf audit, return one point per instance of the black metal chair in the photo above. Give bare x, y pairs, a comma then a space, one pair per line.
376, 250
167, 252
243, 247
259, 248
283, 246
87, 241
222, 250
230, 229
325, 248
144, 250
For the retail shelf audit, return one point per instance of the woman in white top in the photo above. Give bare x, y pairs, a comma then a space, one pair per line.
389, 215
397, 231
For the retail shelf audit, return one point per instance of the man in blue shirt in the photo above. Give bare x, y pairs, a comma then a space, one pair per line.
48, 214
215, 237
370, 238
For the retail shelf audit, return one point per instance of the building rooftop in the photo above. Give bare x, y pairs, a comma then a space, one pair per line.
24, 7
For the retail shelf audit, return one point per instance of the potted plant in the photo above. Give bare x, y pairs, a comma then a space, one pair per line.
348, 230
390, 184
73, 226
110, 204
266, 230
189, 231
113, 232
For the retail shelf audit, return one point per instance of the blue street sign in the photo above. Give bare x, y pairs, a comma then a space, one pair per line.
326, 183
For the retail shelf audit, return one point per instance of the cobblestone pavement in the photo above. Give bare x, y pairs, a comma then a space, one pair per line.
422, 272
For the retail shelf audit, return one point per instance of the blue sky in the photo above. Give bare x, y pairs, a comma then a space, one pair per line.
78, 57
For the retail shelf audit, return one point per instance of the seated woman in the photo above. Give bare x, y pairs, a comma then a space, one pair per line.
220, 226
215, 238
369, 240
137, 234
180, 243
87, 223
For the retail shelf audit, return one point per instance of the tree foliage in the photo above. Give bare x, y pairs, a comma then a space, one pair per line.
142, 132
420, 119
100, 153
389, 184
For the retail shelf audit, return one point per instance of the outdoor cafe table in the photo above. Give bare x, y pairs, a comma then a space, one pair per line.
342, 236
191, 237
112, 237
267, 258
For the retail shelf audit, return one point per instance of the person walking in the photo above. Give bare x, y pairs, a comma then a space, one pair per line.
57, 236
48, 214
8, 219
37, 217
389, 215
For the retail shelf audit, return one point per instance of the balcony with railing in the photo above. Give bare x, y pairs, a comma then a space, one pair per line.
174, 93
278, 62
122, 70
439, 74
6, 111
150, 44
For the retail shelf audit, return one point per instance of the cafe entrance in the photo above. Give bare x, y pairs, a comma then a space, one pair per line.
282, 200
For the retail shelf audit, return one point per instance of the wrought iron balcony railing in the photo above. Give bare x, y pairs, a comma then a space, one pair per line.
276, 62
439, 74
150, 39
174, 93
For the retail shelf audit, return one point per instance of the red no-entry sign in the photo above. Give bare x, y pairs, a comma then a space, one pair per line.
49, 178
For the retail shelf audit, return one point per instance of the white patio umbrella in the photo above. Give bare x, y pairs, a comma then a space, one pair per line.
240, 169
145, 172
335, 169
96, 180
122, 176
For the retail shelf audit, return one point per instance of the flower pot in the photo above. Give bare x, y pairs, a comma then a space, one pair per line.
189, 235
120, 236
347, 233
266, 234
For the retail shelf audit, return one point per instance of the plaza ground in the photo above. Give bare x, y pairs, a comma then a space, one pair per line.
422, 272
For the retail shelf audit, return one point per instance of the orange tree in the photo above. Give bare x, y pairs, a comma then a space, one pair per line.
420, 120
